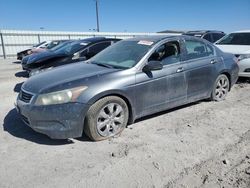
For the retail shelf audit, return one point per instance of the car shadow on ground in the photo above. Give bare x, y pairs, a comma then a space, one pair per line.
170, 110
16, 62
17, 87
23, 74
15, 126
243, 80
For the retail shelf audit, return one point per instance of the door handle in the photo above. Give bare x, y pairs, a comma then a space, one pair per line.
213, 61
180, 70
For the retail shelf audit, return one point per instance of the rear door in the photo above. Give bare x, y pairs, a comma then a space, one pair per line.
200, 69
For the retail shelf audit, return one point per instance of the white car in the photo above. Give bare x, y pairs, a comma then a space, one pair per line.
238, 43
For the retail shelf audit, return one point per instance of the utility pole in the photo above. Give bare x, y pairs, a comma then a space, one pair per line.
97, 16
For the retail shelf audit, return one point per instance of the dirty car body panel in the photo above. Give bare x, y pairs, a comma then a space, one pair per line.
145, 92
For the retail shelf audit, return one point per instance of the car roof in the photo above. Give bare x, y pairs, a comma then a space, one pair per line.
204, 31
242, 31
153, 38
96, 39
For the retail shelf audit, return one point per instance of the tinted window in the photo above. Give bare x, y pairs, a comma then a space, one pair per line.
236, 39
167, 53
208, 37
99, 47
217, 36
72, 47
197, 49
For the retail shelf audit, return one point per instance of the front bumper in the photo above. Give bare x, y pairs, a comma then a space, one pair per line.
25, 67
56, 121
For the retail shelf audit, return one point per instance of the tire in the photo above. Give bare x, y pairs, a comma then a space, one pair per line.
221, 88
106, 118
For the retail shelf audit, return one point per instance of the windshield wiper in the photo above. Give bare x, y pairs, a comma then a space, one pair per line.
108, 65
102, 64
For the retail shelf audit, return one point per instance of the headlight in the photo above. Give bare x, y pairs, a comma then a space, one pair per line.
243, 56
60, 97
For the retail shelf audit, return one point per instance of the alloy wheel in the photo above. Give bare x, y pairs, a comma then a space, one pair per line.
110, 119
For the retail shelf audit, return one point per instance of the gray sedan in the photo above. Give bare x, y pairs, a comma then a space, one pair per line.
128, 80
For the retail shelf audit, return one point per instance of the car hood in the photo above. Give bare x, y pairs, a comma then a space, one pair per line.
43, 56
65, 77
234, 49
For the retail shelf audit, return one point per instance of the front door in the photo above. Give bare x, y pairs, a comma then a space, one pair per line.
162, 89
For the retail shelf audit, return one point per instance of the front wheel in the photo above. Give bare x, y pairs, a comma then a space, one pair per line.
106, 118
221, 88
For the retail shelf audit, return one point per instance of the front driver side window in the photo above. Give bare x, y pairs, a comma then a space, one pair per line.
167, 53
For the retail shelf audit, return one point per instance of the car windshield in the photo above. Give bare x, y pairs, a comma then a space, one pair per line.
52, 44
123, 54
39, 44
60, 45
235, 39
72, 47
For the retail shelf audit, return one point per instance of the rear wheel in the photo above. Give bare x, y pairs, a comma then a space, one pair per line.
221, 88
106, 118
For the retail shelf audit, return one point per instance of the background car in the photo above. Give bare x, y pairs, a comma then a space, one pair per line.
43, 46
238, 43
128, 80
50, 45
24, 53
211, 36
72, 52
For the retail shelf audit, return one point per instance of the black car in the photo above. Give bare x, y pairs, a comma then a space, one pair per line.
75, 51
45, 45
211, 36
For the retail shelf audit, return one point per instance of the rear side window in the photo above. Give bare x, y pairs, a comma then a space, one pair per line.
197, 49
208, 37
217, 36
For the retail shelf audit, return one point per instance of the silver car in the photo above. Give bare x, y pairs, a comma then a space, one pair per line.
128, 80
238, 43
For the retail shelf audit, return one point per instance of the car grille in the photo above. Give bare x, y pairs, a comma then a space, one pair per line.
25, 97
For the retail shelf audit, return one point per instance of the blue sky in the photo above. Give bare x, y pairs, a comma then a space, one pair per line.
125, 15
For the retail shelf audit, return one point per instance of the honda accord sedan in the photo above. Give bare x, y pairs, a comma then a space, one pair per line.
128, 80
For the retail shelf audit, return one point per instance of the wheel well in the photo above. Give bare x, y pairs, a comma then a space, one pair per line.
130, 117
229, 78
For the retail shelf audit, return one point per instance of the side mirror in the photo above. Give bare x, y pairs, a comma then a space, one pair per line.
77, 56
83, 58
152, 65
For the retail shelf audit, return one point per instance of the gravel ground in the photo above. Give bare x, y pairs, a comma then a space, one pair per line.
205, 144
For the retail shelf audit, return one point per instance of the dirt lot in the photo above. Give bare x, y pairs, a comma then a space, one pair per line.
205, 144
